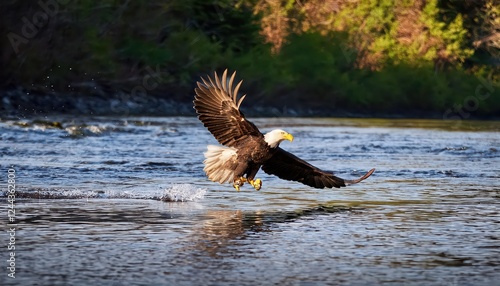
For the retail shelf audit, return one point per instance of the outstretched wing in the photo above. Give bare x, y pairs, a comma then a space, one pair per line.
218, 108
290, 167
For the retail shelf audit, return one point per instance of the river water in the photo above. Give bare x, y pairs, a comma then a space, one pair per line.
124, 201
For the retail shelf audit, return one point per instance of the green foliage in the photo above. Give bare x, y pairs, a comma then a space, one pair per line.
366, 57
452, 35
399, 88
99, 50
148, 53
226, 22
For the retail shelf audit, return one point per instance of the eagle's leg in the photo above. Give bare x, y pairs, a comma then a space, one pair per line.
239, 182
257, 183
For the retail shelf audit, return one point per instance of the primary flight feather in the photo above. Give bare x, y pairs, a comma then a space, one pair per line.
245, 149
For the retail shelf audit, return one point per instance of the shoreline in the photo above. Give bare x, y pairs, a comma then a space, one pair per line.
26, 104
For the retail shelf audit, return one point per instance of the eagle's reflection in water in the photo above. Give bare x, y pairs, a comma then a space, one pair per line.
222, 229
233, 233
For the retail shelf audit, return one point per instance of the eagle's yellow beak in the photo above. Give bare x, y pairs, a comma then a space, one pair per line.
288, 137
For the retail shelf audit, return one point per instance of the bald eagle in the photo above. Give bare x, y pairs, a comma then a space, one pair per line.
245, 149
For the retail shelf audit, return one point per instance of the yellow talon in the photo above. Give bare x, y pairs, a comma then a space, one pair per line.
237, 187
257, 184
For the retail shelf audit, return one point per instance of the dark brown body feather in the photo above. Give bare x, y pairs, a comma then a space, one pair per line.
217, 105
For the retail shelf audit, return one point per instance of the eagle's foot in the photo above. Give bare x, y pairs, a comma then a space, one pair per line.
257, 184
238, 183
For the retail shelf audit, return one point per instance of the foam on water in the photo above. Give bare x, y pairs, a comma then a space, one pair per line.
183, 193
175, 193
84, 130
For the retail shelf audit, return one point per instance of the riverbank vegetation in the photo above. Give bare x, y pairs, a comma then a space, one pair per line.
410, 57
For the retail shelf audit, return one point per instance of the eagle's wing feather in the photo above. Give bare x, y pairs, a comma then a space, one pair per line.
218, 107
290, 167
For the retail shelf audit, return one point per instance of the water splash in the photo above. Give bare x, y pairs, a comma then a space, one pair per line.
183, 193
175, 193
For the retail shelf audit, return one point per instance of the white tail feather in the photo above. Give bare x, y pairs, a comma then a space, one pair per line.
215, 163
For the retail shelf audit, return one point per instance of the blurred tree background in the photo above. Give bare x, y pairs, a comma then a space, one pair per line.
367, 57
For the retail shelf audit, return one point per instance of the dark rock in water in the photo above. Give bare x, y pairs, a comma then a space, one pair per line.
49, 124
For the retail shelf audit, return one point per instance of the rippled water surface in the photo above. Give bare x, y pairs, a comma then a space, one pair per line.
124, 201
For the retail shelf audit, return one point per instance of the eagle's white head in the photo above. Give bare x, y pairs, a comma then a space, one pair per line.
275, 137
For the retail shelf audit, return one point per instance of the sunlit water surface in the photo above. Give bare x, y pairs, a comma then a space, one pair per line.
124, 201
